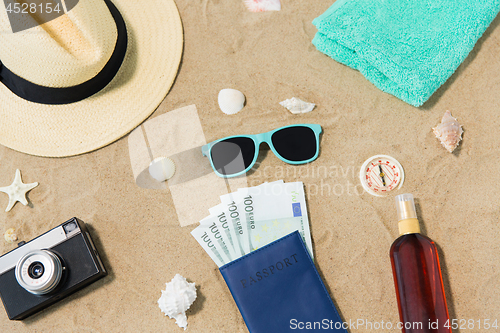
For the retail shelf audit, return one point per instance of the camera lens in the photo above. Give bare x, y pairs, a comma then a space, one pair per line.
39, 272
35, 270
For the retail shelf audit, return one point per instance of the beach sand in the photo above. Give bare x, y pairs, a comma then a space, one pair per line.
269, 57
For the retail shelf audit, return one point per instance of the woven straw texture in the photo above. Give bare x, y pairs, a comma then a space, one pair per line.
64, 52
155, 42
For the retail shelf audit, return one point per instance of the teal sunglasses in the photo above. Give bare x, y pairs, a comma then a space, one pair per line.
235, 155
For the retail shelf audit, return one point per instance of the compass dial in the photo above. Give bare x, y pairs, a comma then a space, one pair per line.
381, 174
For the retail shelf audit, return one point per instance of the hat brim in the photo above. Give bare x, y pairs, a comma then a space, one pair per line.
155, 43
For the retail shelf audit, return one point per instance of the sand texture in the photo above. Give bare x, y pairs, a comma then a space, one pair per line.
269, 57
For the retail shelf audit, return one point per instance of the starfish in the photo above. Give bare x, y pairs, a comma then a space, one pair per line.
17, 191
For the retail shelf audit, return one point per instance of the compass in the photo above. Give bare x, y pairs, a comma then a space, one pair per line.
380, 174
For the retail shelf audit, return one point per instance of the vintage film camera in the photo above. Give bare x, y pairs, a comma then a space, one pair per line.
48, 268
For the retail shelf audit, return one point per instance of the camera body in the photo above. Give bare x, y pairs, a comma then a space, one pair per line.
48, 268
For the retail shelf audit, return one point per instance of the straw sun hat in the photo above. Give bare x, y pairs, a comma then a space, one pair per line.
88, 77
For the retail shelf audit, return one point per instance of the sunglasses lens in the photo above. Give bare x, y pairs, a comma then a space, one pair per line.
233, 155
297, 143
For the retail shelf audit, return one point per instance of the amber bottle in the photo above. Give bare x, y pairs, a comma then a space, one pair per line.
417, 275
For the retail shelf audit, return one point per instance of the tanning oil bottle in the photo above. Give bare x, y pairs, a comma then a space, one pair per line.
417, 275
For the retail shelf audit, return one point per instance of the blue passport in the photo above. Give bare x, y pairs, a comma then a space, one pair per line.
278, 289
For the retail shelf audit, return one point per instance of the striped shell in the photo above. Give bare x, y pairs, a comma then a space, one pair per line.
449, 132
231, 101
162, 168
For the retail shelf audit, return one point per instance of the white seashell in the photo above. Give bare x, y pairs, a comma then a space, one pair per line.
449, 132
162, 168
10, 235
176, 299
296, 106
262, 5
231, 101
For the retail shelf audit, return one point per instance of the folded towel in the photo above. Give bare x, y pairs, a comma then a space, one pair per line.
406, 48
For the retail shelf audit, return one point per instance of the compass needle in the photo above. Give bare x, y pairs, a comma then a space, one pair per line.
382, 174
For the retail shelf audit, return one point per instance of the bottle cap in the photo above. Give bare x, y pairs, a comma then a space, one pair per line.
406, 207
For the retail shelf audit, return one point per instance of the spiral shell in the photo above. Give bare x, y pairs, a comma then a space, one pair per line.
10, 235
176, 299
449, 132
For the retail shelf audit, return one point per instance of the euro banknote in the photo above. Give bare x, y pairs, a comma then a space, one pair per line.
253, 217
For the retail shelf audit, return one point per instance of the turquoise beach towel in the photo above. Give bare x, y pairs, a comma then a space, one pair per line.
406, 48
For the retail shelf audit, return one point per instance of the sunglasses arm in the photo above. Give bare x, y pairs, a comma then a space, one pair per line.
205, 149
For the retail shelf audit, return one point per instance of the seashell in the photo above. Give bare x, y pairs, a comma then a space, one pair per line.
262, 5
449, 132
176, 299
10, 235
296, 106
162, 168
231, 101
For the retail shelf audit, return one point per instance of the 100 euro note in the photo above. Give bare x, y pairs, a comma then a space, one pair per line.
220, 232
267, 231
231, 225
235, 205
251, 218
284, 203
219, 236
210, 238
